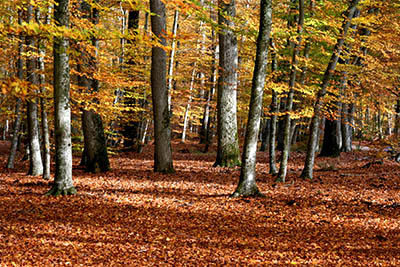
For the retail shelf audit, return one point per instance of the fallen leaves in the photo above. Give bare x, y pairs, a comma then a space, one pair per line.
134, 217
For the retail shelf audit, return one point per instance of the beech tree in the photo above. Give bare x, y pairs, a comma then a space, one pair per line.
162, 131
247, 184
63, 184
228, 153
95, 150
312, 141
35, 158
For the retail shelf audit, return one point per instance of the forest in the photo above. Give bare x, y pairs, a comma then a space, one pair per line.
211, 132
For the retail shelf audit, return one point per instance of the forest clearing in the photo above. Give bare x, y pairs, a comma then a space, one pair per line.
131, 216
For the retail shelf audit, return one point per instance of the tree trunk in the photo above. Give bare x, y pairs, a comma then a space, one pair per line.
162, 131
63, 184
228, 153
330, 145
93, 131
131, 127
274, 117
45, 126
17, 123
187, 109
312, 142
172, 59
35, 159
247, 184
266, 131
289, 105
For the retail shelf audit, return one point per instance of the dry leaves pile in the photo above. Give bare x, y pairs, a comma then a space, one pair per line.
130, 216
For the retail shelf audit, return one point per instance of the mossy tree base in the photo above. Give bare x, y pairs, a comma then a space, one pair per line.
228, 162
246, 189
56, 191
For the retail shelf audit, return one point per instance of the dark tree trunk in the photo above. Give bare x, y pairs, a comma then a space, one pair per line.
63, 184
247, 184
162, 129
95, 150
312, 142
266, 131
330, 145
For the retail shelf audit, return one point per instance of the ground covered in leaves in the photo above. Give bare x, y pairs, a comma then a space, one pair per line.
130, 216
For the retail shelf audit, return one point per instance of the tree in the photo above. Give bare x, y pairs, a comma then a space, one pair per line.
96, 157
63, 184
247, 184
228, 153
290, 96
18, 106
162, 131
312, 141
35, 158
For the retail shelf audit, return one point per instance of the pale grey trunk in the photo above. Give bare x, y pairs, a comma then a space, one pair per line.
35, 159
289, 105
172, 58
312, 142
162, 130
346, 126
247, 184
45, 126
17, 123
228, 153
187, 109
63, 184
274, 107
210, 93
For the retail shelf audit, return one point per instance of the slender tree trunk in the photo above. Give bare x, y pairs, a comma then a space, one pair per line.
172, 59
397, 117
228, 153
35, 159
312, 142
187, 109
45, 126
162, 130
63, 184
131, 127
274, 117
247, 183
17, 123
289, 105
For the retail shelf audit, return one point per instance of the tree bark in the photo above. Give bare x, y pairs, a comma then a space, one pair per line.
35, 158
172, 59
63, 184
312, 142
247, 183
17, 123
228, 153
93, 131
274, 107
45, 126
162, 130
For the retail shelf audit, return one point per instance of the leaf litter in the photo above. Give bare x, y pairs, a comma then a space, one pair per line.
130, 216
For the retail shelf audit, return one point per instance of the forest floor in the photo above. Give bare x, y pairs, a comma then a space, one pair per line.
346, 216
